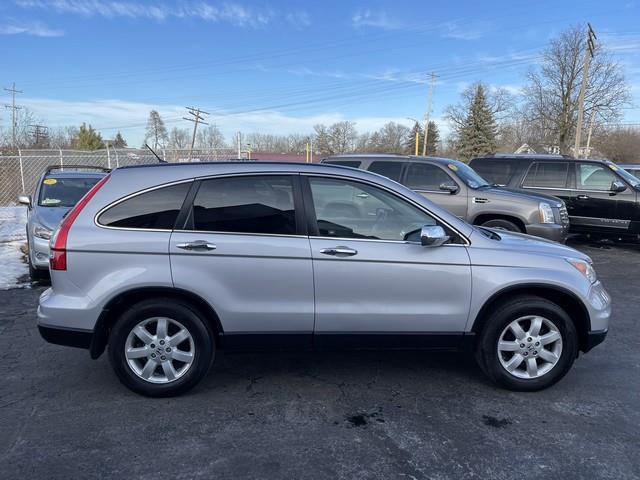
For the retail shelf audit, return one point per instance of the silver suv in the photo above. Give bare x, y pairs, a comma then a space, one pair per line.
167, 264
461, 190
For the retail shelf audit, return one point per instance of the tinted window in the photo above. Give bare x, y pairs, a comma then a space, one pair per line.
496, 171
64, 192
547, 175
424, 176
593, 176
355, 210
261, 204
344, 163
388, 169
157, 209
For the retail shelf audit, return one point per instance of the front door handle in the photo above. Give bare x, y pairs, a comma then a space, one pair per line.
346, 251
196, 245
583, 197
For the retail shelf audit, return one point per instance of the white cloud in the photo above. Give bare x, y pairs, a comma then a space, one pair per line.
378, 19
214, 12
463, 32
35, 29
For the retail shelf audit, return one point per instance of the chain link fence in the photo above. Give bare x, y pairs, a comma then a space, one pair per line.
19, 174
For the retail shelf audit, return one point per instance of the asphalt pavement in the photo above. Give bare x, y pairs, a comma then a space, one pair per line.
372, 415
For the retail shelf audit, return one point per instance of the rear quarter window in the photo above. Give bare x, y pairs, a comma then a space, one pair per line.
156, 209
499, 172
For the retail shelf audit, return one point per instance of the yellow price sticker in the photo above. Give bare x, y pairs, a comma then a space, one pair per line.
613, 167
452, 167
50, 181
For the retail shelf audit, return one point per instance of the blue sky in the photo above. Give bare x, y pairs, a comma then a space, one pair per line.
281, 66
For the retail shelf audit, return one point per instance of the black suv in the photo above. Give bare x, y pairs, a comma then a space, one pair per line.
601, 197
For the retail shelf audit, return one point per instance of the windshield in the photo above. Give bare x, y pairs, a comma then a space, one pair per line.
629, 178
64, 192
468, 175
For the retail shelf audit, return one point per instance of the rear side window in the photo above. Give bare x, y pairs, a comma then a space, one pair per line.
345, 163
157, 209
252, 204
547, 175
390, 170
495, 171
424, 176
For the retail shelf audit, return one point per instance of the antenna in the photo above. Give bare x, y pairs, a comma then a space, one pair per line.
156, 155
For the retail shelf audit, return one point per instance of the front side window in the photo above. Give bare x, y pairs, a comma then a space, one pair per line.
355, 210
390, 170
424, 176
547, 175
252, 204
594, 176
157, 209
64, 192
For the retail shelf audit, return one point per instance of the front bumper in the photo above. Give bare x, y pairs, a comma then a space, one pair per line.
39, 253
550, 231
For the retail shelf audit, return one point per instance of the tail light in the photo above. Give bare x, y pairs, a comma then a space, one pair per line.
58, 255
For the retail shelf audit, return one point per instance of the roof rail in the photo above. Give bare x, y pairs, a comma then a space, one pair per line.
531, 155
62, 168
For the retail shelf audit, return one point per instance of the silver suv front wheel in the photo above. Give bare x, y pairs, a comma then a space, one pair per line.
527, 343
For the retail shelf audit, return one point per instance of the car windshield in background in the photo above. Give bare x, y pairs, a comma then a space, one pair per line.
631, 179
468, 175
64, 192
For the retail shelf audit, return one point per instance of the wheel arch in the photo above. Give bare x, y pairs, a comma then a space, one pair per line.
119, 303
485, 217
564, 298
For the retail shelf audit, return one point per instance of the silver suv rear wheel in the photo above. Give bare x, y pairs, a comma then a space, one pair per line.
159, 350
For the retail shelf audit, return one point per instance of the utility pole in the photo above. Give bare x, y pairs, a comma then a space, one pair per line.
39, 132
426, 117
593, 117
239, 137
588, 54
14, 108
196, 117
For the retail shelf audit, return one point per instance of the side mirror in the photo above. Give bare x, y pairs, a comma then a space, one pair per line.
433, 236
451, 188
25, 200
617, 186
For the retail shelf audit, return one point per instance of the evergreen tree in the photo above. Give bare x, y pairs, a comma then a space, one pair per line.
477, 136
119, 141
411, 139
434, 139
156, 131
88, 138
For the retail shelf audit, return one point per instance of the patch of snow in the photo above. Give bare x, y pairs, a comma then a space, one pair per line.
13, 236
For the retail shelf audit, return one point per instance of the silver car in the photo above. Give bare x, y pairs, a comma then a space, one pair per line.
57, 191
167, 264
454, 185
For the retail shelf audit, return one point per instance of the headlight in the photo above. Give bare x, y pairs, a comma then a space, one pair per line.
546, 213
584, 267
41, 232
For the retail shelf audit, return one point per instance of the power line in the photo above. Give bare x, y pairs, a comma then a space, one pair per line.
39, 132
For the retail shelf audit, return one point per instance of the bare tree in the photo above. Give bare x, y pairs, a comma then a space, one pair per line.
342, 137
620, 145
210, 137
552, 91
179, 138
156, 131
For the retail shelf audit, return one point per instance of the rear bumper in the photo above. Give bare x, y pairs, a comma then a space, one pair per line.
594, 338
65, 336
550, 231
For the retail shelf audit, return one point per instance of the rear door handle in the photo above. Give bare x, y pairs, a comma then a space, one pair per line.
346, 251
196, 245
583, 197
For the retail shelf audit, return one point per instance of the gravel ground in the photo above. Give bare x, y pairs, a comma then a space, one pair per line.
331, 415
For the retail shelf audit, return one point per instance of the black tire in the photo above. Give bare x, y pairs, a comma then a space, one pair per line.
35, 273
486, 347
190, 318
502, 224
